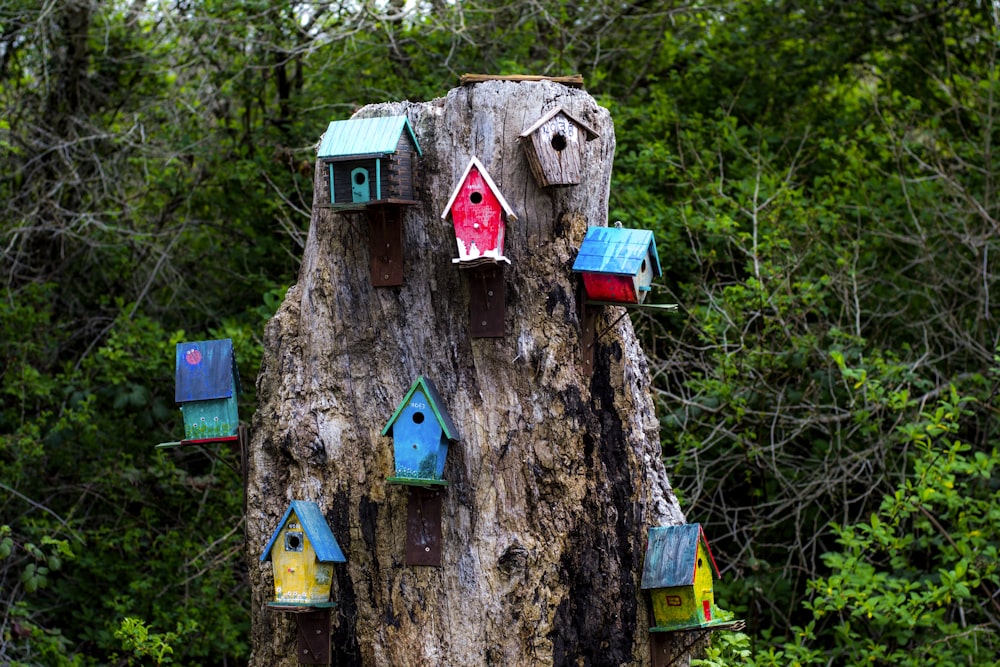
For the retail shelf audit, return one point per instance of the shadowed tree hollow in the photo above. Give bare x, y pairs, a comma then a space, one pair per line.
555, 476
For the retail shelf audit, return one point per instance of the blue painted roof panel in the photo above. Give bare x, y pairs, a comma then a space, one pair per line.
316, 529
205, 370
670, 556
365, 136
616, 251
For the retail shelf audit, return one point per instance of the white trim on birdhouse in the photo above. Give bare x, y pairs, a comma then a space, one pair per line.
474, 162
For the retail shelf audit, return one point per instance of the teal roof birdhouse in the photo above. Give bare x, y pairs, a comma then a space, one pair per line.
207, 385
369, 161
302, 550
421, 431
679, 572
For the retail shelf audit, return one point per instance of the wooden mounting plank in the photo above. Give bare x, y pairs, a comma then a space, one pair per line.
314, 637
423, 527
573, 80
385, 238
587, 317
487, 305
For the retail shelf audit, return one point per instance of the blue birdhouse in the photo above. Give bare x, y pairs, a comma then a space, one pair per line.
618, 265
303, 550
207, 385
421, 430
369, 161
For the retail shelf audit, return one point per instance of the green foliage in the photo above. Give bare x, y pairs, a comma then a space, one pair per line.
145, 647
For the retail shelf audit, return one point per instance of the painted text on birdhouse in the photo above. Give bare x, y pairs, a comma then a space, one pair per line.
554, 146
421, 431
302, 551
207, 385
480, 215
617, 265
678, 571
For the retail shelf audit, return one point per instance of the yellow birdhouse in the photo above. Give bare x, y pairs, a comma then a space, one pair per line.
678, 571
303, 551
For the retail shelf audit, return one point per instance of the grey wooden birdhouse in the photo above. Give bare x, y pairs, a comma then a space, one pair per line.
554, 145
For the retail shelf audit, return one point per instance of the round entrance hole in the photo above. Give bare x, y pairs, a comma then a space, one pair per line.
558, 142
359, 178
476, 197
418, 417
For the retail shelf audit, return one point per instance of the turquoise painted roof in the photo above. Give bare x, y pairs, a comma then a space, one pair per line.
670, 556
437, 406
616, 251
365, 136
316, 529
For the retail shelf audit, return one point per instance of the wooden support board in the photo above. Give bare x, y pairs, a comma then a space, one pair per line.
385, 238
573, 80
423, 527
487, 305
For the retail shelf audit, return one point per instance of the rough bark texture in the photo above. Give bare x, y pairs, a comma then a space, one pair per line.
557, 475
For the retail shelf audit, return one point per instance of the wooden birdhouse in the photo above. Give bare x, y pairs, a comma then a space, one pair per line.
370, 161
554, 145
302, 551
207, 385
679, 572
421, 430
618, 265
480, 215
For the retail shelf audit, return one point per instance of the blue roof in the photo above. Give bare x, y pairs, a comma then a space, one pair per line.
437, 406
670, 556
205, 370
365, 136
316, 529
616, 251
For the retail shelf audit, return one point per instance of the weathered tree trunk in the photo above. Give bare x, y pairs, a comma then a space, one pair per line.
557, 474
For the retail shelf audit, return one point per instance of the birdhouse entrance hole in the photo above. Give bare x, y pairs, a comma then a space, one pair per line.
418, 417
476, 197
559, 142
293, 541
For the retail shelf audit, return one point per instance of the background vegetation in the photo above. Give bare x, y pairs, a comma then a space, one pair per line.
822, 179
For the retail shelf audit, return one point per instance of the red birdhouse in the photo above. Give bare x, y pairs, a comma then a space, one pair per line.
480, 215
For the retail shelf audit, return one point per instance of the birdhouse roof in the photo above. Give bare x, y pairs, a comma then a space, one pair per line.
365, 136
617, 251
672, 556
316, 529
590, 132
205, 370
474, 162
436, 405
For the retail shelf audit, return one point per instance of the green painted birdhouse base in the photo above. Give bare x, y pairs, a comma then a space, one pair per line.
416, 481
199, 441
294, 607
719, 624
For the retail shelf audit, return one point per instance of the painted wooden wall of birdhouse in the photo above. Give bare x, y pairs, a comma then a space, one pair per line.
421, 430
480, 215
302, 551
554, 146
207, 388
617, 265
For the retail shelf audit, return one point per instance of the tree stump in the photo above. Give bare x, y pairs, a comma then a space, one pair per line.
557, 473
